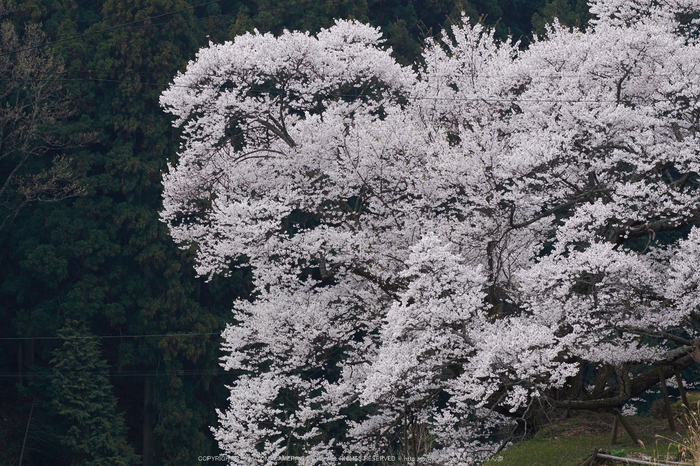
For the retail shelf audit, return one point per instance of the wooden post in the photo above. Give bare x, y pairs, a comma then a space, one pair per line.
679, 379
616, 425
590, 459
667, 402
628, 427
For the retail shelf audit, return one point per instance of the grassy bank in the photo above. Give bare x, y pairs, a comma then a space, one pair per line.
569, 442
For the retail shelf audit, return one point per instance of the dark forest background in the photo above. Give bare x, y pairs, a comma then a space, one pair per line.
109, 343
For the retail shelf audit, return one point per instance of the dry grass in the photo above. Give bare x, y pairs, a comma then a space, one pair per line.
688, 445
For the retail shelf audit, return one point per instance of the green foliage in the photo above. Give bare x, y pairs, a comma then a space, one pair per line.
405, 47
81, 395
105, 259
277, 15
571, 13
510, 18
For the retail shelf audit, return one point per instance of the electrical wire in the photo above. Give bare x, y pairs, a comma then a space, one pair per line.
93, 337
413, 98
177, 373
134, 373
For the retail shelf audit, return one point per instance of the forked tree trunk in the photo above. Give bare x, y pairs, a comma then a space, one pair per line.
611, 399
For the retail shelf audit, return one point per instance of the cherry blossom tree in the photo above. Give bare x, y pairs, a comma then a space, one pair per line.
437, 252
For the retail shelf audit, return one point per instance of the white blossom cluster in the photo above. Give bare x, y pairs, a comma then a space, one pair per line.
431, 247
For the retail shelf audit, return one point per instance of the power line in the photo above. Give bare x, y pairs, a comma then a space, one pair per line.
192, 372
111, 28
92, 337
414, 98
545, 75
133, 373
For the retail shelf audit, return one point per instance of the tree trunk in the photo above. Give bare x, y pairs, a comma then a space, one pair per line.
148, 441
638, 385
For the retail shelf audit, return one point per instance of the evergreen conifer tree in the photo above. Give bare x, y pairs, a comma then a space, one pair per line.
571, 13
82, 396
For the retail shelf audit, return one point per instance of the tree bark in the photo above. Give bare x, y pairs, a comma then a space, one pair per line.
678, 357
148, 441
